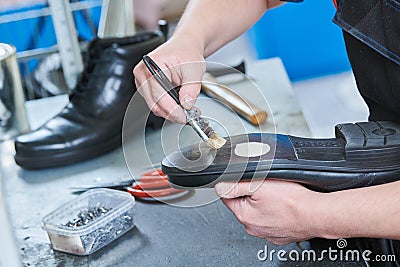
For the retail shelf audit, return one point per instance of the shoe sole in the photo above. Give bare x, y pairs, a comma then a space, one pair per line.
363, 154
69, 157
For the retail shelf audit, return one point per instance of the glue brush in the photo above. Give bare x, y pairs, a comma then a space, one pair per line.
199, 124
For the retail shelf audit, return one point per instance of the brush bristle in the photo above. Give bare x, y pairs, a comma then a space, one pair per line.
215, 141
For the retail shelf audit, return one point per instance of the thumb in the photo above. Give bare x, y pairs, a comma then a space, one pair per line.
188, 95
192, 75
234, 190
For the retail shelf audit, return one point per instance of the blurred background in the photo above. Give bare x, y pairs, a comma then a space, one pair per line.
302, 35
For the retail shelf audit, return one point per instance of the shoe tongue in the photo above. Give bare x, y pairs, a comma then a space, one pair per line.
97, 46
94, 50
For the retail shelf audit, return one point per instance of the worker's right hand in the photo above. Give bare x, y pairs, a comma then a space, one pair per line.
183, 63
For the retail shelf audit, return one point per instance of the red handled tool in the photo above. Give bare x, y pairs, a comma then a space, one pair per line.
152, 184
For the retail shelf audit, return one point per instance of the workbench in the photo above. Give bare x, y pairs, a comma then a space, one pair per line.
206, 235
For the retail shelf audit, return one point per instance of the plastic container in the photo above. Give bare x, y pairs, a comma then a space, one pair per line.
78, 227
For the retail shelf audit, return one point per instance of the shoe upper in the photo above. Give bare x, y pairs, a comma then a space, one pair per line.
107, 82
97, 104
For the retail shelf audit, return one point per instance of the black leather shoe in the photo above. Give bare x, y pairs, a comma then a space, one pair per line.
91, 124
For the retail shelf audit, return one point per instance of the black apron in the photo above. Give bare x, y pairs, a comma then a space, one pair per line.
372, 36
371, 30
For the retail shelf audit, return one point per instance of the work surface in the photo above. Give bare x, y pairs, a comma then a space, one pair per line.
208, 235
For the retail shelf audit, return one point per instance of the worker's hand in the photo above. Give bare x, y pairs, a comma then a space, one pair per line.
280, 212
182, 61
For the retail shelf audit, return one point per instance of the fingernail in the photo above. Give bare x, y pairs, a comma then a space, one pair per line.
187, 103
222, 190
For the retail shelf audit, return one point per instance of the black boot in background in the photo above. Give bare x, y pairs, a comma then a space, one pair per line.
91, 124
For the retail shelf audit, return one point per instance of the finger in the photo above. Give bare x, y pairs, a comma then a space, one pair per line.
142, 85
163, 108
159, 102
169, 109
198, 111
280, 241
188, 95
235, 205
234, 190
191, 77
144, 90
165, 104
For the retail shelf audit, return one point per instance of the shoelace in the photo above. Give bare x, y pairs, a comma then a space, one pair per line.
88, 73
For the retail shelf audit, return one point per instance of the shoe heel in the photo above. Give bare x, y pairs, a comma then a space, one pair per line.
371, 144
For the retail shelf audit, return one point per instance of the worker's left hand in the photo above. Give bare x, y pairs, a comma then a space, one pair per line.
280, 212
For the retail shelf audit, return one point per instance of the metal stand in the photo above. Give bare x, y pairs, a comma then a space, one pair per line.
117, 20
67, 40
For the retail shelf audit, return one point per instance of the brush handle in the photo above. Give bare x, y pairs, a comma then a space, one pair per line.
174, 93
162, 79
242, 106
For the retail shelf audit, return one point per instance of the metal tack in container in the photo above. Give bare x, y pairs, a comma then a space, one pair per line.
90, 221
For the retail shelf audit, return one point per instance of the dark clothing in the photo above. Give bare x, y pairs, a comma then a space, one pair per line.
371, 31
378, 79
374, 22
372, 36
